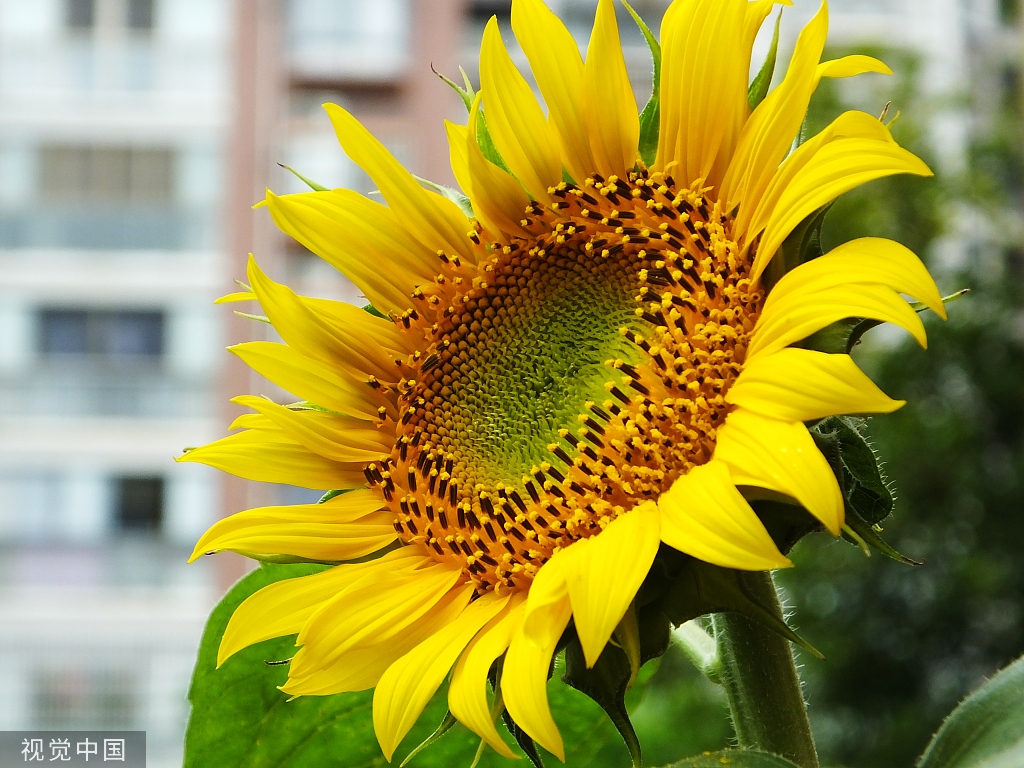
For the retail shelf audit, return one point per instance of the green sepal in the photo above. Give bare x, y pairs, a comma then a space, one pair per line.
280, 559
802, 245
486, 143
606, 683
614, 673
524, 741
762, 82
466, 92
856, 465
985, 730
446, 725
454, 195
867, 495
871, 538
375, 312
257, 318
785, 521
650, 117
308, 182
702, 588
735, 758
333, 494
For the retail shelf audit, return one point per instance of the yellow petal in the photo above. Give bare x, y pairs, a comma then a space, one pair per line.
373, 610
311, 380
322, 233
361, 667
283, 608
271, 458
799, 315
557, 66
859, 279
339, 438
458, 157
524, 678
703, 515
703, 86
499, 201
768, 135
780, 456
437, 222
408, 684
801, 385
851, 66
867, 260
322, 337
605, 571
467, 694
346, 527
516, 122
609, 105
818, 172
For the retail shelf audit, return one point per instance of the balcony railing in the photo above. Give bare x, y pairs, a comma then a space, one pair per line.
85, 387
38, 67
107, 227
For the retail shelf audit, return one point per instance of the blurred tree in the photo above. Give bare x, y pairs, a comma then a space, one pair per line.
903, 645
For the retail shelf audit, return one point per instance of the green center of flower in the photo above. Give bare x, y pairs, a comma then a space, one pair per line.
526, 349
567, 377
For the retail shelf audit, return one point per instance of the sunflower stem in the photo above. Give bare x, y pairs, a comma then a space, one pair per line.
761, 681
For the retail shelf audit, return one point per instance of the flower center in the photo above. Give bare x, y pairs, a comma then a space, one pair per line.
568, 376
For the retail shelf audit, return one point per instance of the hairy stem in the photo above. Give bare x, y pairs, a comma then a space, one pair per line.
761, 681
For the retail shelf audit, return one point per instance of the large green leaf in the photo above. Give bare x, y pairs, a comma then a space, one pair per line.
735, 758
240, 718
986, 730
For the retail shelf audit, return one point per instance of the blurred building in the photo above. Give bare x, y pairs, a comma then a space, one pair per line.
113, 121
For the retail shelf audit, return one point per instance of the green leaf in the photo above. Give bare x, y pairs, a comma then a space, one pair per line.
986, 730
735, 758
375, 312
650, 118
762, 82
240, 718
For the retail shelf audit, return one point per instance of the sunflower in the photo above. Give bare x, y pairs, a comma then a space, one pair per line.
583, 361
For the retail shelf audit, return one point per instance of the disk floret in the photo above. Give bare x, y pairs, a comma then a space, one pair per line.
567, 376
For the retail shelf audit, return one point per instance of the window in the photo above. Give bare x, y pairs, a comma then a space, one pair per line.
139, 504
111, 334
140, 15
88, 174
81, 14
79, 698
